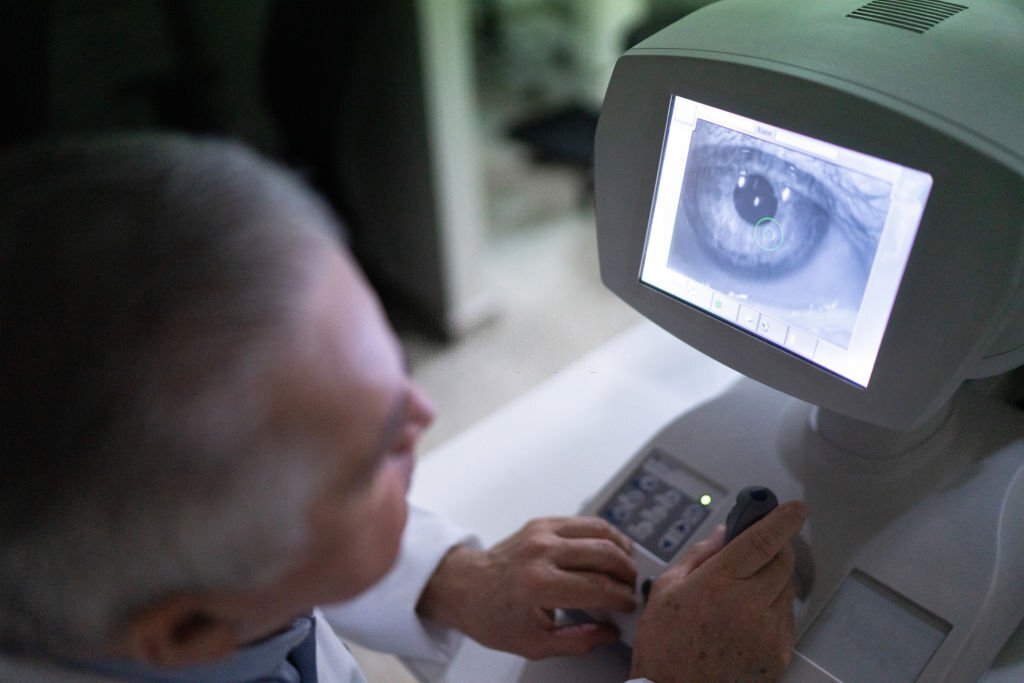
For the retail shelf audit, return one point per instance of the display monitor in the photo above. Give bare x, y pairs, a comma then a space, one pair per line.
800, 242
840, 224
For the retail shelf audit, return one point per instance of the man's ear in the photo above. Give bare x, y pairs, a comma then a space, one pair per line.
179, 631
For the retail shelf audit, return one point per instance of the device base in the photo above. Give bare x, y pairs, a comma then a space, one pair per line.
924, 546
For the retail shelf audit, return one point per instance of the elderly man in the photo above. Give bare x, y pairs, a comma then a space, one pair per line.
208, 436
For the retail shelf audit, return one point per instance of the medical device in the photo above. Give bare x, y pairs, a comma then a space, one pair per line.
828, 196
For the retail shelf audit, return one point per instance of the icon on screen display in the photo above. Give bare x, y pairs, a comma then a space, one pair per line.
768, 234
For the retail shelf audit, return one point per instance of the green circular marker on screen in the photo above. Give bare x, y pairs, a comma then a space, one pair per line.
768, 234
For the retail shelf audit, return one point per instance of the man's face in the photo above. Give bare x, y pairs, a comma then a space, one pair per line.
348, 387
341, 395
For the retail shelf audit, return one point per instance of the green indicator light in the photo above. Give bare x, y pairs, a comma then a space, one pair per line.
705, 500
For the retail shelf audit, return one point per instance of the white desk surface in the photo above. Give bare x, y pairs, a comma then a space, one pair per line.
546, 452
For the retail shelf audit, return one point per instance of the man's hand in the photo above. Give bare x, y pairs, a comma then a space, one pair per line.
724, 614
505, 597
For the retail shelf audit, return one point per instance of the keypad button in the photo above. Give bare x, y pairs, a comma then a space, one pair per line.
640, 530
682, 527
647, 483
669, 542
655, 513
634, 497
670, 498
694, 513
620, 512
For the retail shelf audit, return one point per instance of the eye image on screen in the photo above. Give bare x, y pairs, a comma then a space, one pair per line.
780, 230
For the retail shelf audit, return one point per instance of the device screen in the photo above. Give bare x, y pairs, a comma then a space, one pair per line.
799, 242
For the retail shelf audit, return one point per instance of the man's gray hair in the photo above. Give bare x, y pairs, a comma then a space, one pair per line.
147, 284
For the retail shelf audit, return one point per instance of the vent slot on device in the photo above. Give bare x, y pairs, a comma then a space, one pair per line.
913, 15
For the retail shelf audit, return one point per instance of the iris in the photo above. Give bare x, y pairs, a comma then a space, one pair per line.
730, 191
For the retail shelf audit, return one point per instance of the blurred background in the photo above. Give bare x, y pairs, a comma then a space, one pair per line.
453, 137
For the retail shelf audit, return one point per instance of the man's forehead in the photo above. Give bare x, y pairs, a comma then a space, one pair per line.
348, 316
347, 369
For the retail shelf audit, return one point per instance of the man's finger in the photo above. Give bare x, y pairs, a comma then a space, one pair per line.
783, 602
776, 577
595, 555
758, 545
586, 590
579, 639
699, 553
592, 527
782, 607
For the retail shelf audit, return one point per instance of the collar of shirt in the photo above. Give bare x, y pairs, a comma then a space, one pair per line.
266, 660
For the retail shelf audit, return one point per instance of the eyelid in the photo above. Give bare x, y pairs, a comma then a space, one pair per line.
803, 180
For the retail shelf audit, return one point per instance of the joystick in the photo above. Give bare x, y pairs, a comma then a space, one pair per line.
752, 503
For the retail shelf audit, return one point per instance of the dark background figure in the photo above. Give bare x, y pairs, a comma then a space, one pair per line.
333, 89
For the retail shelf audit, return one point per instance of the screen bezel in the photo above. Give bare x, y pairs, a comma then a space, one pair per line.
855, 362
944, 310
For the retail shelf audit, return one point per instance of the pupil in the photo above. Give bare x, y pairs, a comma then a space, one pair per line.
755, 198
